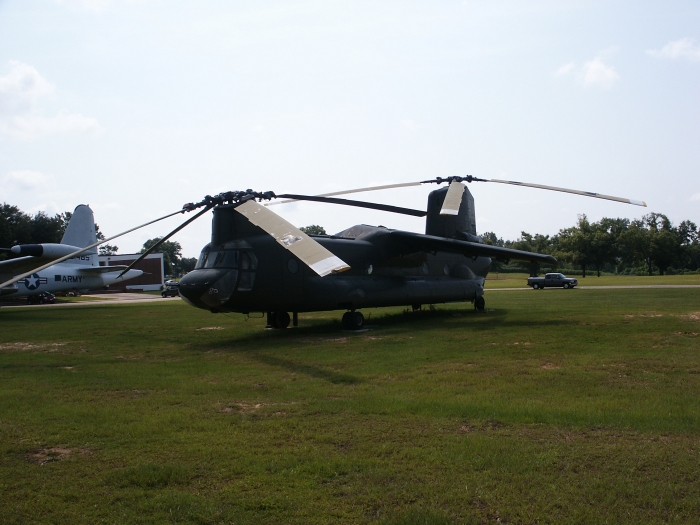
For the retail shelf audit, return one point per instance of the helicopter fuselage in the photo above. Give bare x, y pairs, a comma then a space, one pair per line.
248, 271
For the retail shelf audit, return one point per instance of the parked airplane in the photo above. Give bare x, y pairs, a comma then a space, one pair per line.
80, 273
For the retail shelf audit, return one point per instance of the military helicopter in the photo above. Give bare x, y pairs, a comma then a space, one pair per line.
256, 261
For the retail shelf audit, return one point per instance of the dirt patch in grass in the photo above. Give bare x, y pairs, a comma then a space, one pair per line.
42, 456
249, 408
693, 316
324, 340
550, 366
481, 426
31, 347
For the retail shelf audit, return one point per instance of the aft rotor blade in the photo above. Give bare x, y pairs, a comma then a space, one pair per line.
356, 190
311, 253
156, 245
453, 199
359, 204
82, 250
575, 192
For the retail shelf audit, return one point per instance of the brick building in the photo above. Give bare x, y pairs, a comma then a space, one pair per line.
152, 267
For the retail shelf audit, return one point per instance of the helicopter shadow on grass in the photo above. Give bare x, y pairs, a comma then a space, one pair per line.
459, 318
265, 346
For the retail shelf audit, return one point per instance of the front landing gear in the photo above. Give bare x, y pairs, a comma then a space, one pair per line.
353, 321
480, 303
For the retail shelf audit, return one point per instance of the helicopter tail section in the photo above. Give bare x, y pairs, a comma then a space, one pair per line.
450, 225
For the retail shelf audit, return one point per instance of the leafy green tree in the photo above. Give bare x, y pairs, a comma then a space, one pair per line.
635, 245
532, 243
171, 250
492, 239
314, 229
576, 243
187, 264
690, 245
108, 249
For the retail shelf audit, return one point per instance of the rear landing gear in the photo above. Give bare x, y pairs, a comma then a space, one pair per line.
480, 303
278, 320
353, 321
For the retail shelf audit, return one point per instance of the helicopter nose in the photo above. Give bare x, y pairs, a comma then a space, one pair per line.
208, 288
195, 284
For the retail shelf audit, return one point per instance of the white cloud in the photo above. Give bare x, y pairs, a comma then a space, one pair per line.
20, 91
683, 48
30, 127
566, 69
597, 73
594, 73
695, 197
22, 87
27, 180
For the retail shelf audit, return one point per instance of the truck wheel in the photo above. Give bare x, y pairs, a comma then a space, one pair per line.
566, 285
535, 286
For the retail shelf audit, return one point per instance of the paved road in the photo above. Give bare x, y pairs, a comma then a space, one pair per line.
114, 298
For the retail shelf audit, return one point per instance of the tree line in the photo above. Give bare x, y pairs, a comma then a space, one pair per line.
648, 245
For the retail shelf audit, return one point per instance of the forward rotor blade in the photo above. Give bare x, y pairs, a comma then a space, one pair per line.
356, 190
359, 204
156, 245
82, 250
311, 253
575, 192
453, 199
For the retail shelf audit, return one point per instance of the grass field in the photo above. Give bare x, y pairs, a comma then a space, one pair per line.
577, 406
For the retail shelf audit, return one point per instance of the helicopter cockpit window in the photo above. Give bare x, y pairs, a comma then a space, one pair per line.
211, 259
248, 261
227, 259
202, 260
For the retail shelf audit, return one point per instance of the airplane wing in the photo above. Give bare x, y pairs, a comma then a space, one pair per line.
101, 269
18, 265
409, 242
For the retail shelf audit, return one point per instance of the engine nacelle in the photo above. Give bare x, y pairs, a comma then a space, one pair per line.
49, 250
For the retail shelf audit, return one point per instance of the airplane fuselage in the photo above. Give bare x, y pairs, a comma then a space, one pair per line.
65, 277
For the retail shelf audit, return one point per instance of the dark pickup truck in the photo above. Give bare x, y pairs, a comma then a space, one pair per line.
552, 280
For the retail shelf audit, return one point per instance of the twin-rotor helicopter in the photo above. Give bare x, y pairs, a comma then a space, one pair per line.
257, 261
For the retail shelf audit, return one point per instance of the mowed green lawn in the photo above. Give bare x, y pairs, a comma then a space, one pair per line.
576, 406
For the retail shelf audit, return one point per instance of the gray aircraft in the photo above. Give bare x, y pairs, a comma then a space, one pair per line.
80, 272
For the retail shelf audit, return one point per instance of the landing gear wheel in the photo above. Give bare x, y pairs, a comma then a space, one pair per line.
281, 320
480, 303
353, 321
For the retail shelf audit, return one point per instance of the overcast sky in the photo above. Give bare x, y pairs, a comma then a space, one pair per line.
136, 107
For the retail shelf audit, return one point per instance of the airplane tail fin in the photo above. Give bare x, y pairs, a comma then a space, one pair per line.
80, 232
